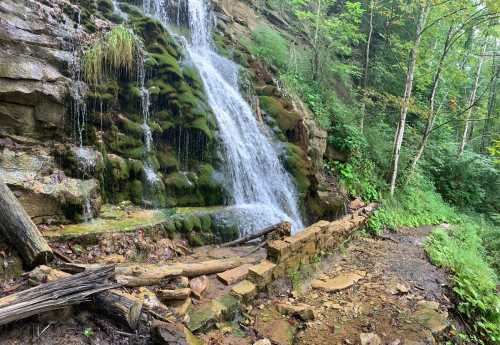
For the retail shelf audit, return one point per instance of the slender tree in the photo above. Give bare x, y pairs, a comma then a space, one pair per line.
398, 139
432, 100
367, 63
472, 100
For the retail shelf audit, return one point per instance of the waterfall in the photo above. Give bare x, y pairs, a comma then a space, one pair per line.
256, 179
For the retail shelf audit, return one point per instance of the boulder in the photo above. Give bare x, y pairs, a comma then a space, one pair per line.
47, 193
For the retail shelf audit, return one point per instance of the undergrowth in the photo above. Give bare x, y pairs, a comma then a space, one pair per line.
416, 204
474, 283
118, 50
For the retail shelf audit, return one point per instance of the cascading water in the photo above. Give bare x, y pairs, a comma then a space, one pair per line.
257, 181
79, 108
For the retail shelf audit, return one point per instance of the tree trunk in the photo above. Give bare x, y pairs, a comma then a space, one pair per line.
486, 139
472, 100
398, 139
367, 64
283, 227
61, 293
20, 231
120, 306
316, 57
432, 103
152, 274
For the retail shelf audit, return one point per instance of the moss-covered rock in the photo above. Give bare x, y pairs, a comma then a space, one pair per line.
297, 163
136, 192
286, 120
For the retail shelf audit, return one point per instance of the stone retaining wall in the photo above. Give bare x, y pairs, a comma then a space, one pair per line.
283, 256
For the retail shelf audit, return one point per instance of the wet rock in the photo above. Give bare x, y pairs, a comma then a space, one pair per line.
198, 285
356, 204
370, 339
46, 193
431, 319
264, 341
244, 290
340, 282
270, 324
303, 311
172, 334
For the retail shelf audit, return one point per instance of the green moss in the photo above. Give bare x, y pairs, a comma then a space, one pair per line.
179, 182
206, 223
136, 168
226, 233
195, 240
286, 120
167, 161
136, 192
131, 127
119, 167
201, 124
298, 165
188, 223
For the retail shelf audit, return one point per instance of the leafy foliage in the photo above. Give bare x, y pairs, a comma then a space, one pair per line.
461, 251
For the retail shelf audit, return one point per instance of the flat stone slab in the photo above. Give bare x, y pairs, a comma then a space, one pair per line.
340, 282
234, 275
244, 289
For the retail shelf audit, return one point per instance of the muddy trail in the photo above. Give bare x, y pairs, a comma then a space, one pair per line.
373, 291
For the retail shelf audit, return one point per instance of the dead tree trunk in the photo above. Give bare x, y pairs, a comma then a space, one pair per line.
55, 295
20, 231
120, 306
283, 226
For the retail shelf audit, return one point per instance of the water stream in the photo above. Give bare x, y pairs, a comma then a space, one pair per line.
256, 179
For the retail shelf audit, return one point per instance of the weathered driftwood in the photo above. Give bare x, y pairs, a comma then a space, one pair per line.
283, 226
149, 274
173, 294
139, 276
120, 306
20, 231
55, 295
197, 269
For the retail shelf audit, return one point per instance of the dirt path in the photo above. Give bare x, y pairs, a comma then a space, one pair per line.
401, 298
396, 297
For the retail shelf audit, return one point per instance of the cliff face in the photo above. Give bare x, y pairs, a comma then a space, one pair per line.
68, 145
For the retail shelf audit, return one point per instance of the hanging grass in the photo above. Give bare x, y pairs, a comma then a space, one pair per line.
118, 50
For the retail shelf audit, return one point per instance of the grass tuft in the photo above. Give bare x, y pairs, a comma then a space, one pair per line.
118, 50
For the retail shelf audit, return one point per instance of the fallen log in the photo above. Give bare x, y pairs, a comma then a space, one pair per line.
58, 294
173, 294
152, 274
146, 277
192, 270
118, 305
20, 231
284, 227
